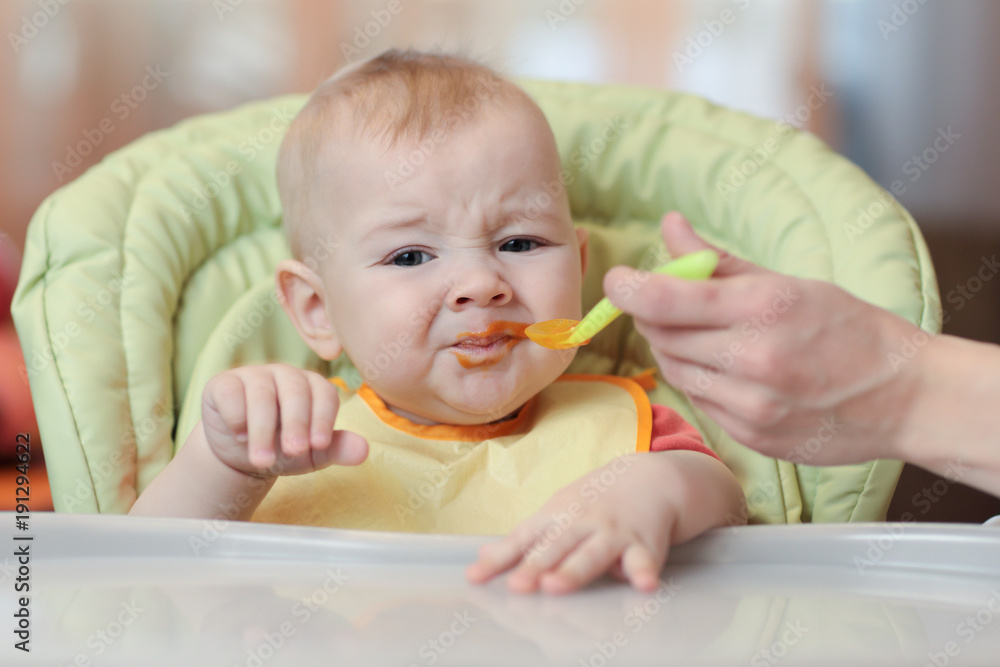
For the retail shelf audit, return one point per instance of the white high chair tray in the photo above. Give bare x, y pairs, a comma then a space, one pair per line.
113, 590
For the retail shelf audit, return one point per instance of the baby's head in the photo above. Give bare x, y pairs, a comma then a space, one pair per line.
424, 207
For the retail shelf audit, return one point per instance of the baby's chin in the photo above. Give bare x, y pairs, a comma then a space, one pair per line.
463, 405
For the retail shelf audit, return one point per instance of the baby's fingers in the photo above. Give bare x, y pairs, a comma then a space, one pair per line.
590, 559
262, 419
641, 567
500, 556
325, 404
544, 556
345, 448
494, 558
294, 393
225, 395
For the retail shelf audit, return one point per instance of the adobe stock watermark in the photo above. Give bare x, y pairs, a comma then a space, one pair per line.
86, 311
791, 634
223, 8
751, 330
920, 163
882, 202
72, 501
249, 148
233, 510
272, 641
364, 34
866, 216
581, 158
421, 492
563, 12
246, 325
710, 30
966, 630
426, 147
596, 485
756, 500
654, 257
965, 291
119, 459
121, 108
958, 296
434, 648
898, 17
34, 23
635, 620
372, 368
785, 127
923, 500
804, 452
105, 636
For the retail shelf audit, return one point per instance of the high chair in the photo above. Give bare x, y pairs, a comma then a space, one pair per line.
154, 270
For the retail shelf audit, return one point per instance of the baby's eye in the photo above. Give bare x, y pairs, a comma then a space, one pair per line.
519, 245
411, 258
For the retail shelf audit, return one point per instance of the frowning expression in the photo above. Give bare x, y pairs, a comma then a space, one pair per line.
435, 275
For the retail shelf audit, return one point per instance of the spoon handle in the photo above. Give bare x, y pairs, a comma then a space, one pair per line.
697, 265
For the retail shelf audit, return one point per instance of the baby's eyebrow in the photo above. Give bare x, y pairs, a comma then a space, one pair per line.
394, 225
518, 217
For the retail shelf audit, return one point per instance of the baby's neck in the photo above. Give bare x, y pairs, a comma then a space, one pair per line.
417, 419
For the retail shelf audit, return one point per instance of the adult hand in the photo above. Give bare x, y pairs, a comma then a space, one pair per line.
775, 360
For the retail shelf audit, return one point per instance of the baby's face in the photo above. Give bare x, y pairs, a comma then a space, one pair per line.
434, 276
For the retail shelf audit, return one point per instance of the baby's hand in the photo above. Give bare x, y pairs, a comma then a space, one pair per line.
587, 529
276, 420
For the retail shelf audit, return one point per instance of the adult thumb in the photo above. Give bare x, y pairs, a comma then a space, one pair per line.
681, 239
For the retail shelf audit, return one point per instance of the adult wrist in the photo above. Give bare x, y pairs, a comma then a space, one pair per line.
952, 412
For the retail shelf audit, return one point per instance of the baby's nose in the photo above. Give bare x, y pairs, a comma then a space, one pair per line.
479, 286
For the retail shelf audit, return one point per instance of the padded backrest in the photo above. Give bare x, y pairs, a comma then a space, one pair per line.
154, 270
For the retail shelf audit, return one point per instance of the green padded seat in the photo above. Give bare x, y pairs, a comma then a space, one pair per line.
154, 270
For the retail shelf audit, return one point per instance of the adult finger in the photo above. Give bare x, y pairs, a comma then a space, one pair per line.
705, 347
675, 302
681, 239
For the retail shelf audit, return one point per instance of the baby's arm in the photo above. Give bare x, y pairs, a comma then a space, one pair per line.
257, 422
626, 528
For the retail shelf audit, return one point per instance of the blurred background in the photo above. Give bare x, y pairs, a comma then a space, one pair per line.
908, 89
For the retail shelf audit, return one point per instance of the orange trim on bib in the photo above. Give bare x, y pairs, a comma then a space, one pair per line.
644, 412
447, 432
340, 383
646, 379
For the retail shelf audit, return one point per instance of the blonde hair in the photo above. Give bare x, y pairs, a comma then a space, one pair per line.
398, 97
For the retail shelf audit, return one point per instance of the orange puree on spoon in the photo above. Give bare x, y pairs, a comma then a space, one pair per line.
554, 334
482, 349
566, 334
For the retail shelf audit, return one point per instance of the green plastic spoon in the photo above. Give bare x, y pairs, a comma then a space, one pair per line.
564, 334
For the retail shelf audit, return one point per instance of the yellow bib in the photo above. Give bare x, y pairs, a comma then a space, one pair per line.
482, 479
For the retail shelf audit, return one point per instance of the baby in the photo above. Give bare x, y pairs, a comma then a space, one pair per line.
437, 185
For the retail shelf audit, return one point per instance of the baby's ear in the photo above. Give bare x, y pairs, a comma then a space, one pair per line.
303, 297
582, 236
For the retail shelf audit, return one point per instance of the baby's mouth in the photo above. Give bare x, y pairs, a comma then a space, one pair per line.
490, 346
